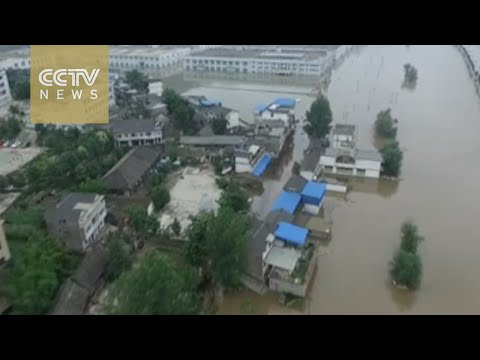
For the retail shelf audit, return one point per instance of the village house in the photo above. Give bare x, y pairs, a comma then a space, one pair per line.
281, 254
78, 220
282, 109
79, 289
4, 250
209, 109
139, 132
125, 177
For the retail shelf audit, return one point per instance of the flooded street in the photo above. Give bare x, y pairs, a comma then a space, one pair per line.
439, 123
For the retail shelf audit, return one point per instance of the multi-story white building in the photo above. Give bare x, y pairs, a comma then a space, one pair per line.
78, 220
268, 59
5, 95
137, 132
129, 57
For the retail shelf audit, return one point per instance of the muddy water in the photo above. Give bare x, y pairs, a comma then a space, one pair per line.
439, 127
440, 190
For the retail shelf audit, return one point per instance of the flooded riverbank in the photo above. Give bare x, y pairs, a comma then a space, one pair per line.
438, 131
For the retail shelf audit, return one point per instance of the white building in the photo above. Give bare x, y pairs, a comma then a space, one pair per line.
5, 95
364, 163
155, 88
137, 132
246, 160
268, 59
153, 57
78, 220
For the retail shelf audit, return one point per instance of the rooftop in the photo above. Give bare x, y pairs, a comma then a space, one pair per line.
142, 50
372, 155
292, 234
73, 205
283, 258
136, 125
288, 202
295, 184
315, 190
217, 140
73, 299
91, 269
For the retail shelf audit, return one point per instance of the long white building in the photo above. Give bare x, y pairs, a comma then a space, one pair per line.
267, 59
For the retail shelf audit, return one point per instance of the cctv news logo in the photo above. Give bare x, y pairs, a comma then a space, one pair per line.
69, 84
72, 78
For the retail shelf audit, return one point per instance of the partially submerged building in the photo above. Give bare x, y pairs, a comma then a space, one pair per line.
78, 220
139, 132
125, 177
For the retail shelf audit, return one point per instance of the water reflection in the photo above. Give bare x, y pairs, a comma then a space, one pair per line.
403, 299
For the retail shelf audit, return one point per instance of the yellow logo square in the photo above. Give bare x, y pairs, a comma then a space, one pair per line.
69, 84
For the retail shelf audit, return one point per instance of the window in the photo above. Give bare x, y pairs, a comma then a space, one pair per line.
3, 92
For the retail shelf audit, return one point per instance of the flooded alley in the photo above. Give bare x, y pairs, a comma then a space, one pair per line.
439, 123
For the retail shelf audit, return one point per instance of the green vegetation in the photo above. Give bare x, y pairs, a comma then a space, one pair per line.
143, 224
19, 83
219, 125
158, 286
118, 254
406, 266
39, 263
392, 159
92, 186
11, 127
319, 118
410, 237
217, 245
181, 111
235, 197
176, 227
411, 75
406, 269
296, 168
160, 197
385, 125
137, 80
72, 158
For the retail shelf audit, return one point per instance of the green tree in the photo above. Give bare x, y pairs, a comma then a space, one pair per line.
183, 118
392, 159
19, 83
92, 186
171, 98
410, 237
160, 197
143, 224
219, 125
385, 125
235, 197
217, 244
137, 80
38, 268
118, 255
158, 286
406, 269
319, 118
411, 75
176, 227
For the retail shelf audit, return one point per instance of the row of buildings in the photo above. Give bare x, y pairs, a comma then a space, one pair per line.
283, 60
282, 252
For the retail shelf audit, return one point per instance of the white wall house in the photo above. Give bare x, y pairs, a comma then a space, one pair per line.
138, 132
363, 163
246, 160
5, 95
92, 219
148, 58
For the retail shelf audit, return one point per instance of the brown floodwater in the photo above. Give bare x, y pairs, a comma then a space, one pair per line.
439, 123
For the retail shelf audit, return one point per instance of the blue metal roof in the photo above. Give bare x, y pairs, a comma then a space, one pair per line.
315, 190
211, 102
293, 234
288, 202
285, 102
261, 108
262, 165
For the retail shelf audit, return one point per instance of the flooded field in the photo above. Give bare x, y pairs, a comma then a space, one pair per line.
439, 123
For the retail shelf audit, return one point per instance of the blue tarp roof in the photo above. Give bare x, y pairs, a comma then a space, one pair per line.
211, 102
314, 190
285, 102
262, 165
261, 108
291, 233
287, 201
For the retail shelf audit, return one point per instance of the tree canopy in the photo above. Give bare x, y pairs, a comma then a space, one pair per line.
143, 224
406, 269
10, 128
217, 244
118, 255
410, 237
385, 125
19, 83
137, 80
411, 74
219, 125
319, 118
181, 111
235, 197
158, 286
392, 159
92, 186
160, 197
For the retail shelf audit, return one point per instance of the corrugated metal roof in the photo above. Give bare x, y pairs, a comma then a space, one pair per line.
287, 201
262, 165
284, 258
293, 234
315, 190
